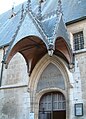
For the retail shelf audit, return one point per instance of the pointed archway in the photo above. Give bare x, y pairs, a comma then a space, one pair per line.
32, 48
42, 81
63, 50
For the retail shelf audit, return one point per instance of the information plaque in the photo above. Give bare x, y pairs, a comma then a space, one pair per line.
79, 109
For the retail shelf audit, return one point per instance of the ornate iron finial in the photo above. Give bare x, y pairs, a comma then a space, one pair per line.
59, 9
12, 8
29, 5
50, 47
22, 11
13, 13
41, 1
39, 10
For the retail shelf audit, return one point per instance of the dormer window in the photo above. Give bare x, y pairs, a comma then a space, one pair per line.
78, 41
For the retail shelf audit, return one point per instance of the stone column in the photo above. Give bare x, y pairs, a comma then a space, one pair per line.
77, 87
71, 95
84, 33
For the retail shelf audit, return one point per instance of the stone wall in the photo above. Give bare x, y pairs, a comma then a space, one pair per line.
51, 78
16, 72
1, 57
81, 58
14, 98
77, 27
14, 103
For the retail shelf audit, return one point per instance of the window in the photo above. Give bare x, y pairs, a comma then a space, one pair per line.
78, 41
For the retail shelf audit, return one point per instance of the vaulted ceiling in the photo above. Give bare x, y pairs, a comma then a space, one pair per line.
33, 49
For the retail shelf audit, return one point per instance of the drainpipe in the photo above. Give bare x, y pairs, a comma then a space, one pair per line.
2, 67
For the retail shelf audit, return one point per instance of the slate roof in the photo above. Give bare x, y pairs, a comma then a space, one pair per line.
50, 23
72, 10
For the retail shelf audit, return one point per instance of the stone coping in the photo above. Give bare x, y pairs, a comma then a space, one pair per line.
13, 86
80, 51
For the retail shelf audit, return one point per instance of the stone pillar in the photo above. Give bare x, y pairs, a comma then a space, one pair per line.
71, 94
84, 33
77, 87
77, 82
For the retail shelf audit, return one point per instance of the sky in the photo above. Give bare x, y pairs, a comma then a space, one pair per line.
7, 4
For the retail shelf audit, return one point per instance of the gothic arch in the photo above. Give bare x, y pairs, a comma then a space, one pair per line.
42, 64
32, 48
34, 78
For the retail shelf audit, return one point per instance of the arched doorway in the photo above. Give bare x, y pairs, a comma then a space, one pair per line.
50, 75
52, 106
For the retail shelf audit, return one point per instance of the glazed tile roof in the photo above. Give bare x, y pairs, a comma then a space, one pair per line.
72, 10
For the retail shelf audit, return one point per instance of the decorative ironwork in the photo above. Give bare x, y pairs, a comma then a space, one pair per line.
50, 49
39, 10
59, 9
22, 11
13, 13
29, 5
38, 26
12, 41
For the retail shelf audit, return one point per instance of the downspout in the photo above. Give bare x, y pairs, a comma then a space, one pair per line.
2, 67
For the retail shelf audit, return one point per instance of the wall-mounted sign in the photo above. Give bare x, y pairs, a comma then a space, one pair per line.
79, 109
31, 115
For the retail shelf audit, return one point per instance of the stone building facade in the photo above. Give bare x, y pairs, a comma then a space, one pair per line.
43, 61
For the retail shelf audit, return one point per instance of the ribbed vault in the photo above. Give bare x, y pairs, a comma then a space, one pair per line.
32, 48
63, 50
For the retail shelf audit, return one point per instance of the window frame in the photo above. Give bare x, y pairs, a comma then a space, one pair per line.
78, 41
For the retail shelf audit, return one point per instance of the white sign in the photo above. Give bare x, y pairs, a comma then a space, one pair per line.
79, 109
31, 115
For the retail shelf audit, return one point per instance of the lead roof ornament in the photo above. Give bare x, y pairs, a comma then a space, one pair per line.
59, 8
13, 13
29, 5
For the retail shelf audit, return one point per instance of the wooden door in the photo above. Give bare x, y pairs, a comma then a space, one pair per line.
52, 106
